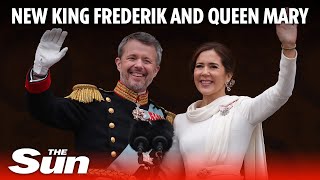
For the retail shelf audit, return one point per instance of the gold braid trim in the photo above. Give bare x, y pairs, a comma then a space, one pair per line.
112, 174
170, 116
130, 95
85, 93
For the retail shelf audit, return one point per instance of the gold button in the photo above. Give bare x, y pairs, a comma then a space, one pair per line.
111, 110
111, 125
113, 154
113, 139
108, 99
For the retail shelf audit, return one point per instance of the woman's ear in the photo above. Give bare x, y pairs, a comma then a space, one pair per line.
229, 76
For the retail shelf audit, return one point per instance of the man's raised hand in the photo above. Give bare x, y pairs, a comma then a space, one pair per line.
48, 52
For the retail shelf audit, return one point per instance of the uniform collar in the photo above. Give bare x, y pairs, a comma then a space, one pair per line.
126, 93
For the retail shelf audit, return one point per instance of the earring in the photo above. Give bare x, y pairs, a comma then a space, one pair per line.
230, 84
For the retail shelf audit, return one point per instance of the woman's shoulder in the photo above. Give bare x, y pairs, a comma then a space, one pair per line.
179, 122
236, 98
242, 101
180, 118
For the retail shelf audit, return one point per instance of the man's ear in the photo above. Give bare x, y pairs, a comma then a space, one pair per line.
118, 63
156, 71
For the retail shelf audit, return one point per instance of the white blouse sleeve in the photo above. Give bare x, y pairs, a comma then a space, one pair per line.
264, 105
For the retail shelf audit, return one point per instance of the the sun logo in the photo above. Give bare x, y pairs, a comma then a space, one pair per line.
63, 164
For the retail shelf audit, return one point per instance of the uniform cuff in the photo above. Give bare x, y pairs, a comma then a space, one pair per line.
39, 86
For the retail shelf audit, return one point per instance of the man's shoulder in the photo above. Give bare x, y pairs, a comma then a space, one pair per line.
103, 91
85, 93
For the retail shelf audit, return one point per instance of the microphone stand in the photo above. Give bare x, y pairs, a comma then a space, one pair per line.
160, 132
149, 171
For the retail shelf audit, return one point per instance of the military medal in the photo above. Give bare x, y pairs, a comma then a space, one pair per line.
139, 114
143, 115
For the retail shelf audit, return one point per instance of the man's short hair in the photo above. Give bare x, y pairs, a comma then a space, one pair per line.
144, 38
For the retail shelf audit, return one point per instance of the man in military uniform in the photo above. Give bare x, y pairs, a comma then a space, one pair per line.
101, 120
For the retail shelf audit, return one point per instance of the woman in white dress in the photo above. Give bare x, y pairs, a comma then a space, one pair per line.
220, 133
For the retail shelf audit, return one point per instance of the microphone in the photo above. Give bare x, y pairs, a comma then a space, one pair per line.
161, 134
156, 135
150, 131
139, 137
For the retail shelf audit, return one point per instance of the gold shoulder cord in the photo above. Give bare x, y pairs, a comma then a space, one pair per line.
85, 93
170, 116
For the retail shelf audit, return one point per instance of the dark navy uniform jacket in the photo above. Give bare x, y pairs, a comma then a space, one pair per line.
101, 125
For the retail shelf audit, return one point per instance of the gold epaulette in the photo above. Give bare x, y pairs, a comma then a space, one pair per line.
170, 116
85, 93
